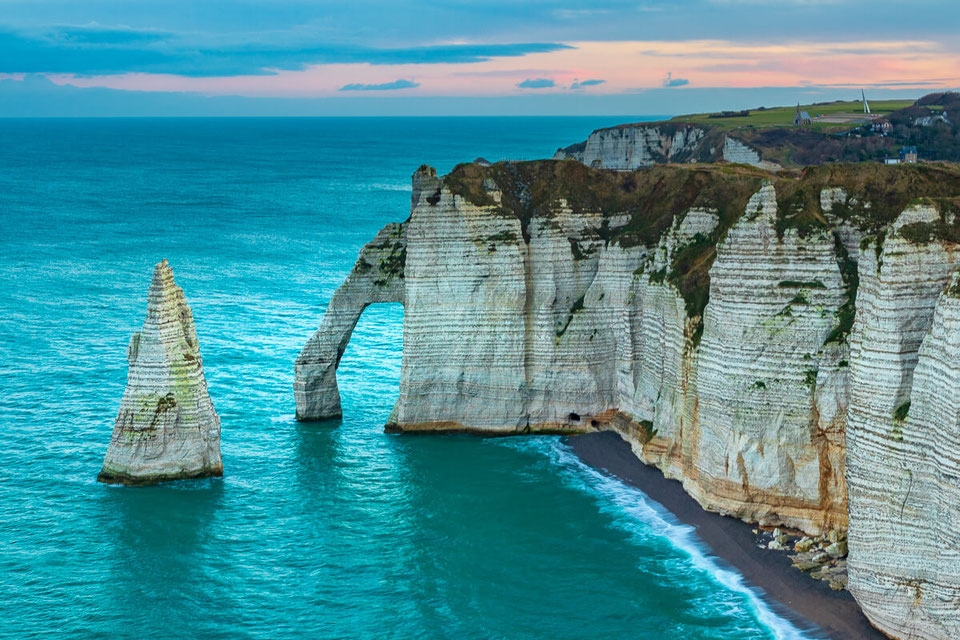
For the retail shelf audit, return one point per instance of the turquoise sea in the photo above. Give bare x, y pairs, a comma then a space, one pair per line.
324, 530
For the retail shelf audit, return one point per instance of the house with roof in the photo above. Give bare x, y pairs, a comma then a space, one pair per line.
908, 154
802, 117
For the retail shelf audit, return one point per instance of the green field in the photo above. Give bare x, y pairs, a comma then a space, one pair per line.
783, 116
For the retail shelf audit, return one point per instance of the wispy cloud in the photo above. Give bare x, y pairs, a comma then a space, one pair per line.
537, 83
622, 65
586, 83
891, 85
99, 50
95, 34
670, 82
384, 86
578, 14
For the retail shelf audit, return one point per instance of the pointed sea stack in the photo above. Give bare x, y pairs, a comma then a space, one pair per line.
167, 428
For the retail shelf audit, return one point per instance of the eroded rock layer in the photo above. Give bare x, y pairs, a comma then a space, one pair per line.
629, 147
765, 449
904, 434
377, 276
705, 313
167, 428
632, 146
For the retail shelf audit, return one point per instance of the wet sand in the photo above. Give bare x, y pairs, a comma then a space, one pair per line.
806, 602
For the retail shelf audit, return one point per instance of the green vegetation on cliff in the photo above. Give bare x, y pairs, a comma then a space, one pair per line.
783, 116
946, 228
652, 198
839, 132
851, 282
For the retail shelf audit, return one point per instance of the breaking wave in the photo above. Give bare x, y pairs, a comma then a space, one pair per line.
639, 516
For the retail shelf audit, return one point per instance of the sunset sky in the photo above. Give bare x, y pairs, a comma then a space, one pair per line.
71, 57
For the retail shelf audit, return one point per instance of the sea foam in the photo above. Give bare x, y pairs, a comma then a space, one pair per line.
642, 517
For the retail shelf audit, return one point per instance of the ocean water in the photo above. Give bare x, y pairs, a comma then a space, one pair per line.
323, 530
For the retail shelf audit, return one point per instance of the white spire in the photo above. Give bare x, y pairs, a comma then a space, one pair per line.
866, 105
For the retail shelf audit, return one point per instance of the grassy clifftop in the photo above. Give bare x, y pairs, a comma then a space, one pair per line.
783, 116
840, 132
655, 196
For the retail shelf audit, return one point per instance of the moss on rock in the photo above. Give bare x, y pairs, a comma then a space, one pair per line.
651, 199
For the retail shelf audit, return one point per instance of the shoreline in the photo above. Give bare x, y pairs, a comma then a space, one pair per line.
804, 601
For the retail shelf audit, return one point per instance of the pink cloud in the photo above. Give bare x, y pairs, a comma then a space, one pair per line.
624, 65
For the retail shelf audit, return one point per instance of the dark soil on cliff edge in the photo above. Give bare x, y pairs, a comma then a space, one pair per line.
793, 594
653, 198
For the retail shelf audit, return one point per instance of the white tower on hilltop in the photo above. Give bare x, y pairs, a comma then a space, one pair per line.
866, 105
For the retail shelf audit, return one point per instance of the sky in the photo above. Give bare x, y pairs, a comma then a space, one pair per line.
465, 57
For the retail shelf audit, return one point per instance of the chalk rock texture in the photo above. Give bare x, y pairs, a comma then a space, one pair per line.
628, 147
167, 428
377, 276
497, 309
904, 434
756, 336
736, 151
771, 398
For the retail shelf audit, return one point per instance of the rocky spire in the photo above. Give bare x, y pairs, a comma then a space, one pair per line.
166, 428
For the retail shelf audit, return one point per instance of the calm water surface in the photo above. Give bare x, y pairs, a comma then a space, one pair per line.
329, 530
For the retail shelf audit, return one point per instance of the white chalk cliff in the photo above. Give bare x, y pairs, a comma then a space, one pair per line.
167, 428
903, 450
632, 146
707, 315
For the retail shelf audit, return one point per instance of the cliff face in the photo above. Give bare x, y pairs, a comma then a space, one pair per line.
166, 428
769, 390
769, 140
706, 314
904, 434
633, 146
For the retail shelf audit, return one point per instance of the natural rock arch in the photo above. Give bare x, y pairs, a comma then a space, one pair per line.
377, 276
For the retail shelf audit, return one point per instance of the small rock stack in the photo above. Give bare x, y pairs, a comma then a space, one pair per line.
167, 428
